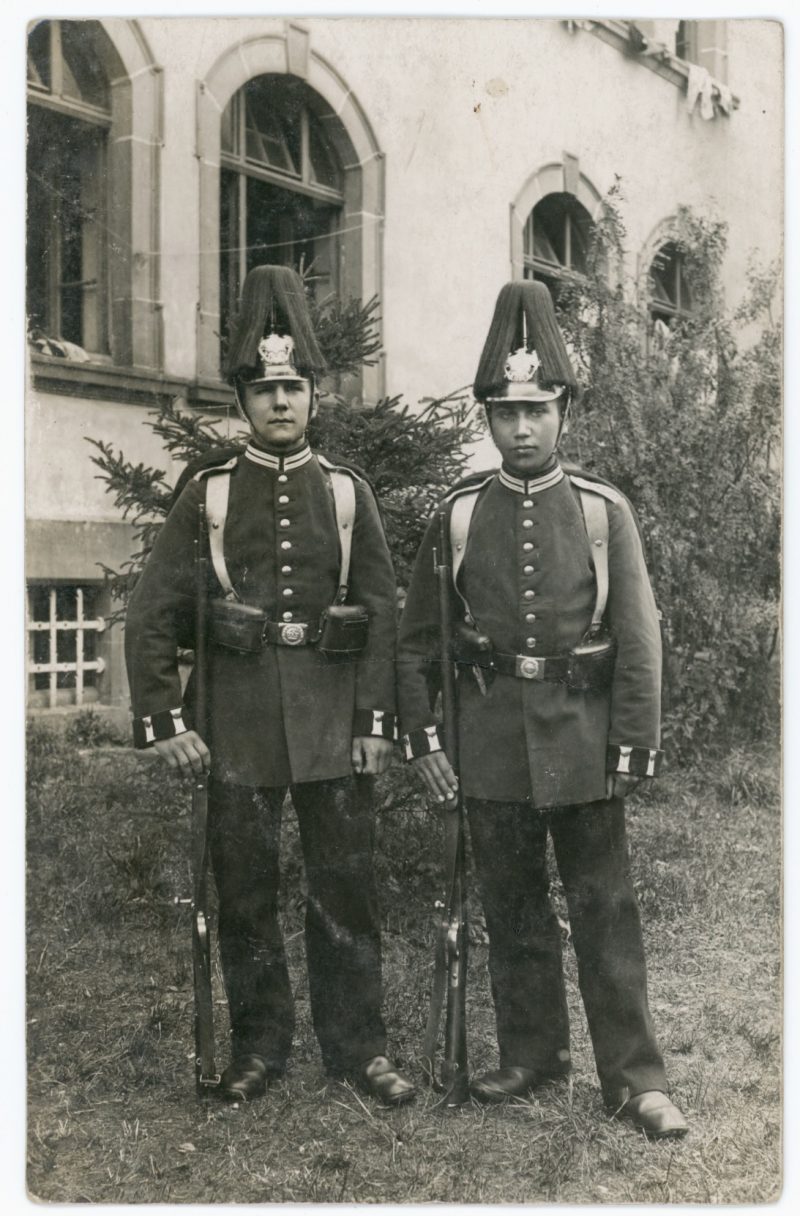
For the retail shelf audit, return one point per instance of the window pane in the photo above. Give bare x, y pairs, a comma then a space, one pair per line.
39, 55
324, 168
548, 229
558, 232
84, 78
668, 282
282, 226
228, 129
65, 231
281, 223
67, 641
273, 128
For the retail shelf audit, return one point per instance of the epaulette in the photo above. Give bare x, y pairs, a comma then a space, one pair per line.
576, 470
584, 479
205, 463
343, 466
474, 481
597, 487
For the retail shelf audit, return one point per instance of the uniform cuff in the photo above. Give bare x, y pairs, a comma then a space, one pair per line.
634, 761
374, 723
422, 742
152, 728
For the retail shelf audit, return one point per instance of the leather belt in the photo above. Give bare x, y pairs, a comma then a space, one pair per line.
526, 667
288, 633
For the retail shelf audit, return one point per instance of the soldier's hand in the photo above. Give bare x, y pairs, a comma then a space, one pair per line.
186, 752
371, 755
619, 785
440, 780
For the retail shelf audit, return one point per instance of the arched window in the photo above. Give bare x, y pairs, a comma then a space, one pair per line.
556, 240
281, 187
69, 116
668, 288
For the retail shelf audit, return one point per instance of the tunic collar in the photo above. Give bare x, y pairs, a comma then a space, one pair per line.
281, 464
531, 485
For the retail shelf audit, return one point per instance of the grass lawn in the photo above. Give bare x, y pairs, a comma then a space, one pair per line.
112, 1115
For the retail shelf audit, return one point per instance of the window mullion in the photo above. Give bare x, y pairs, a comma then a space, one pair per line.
241, 226
305, 148
53, 656
54, 268
79, 646
56, 60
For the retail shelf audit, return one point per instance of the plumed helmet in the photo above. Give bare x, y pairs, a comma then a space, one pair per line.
524, 357
272, 336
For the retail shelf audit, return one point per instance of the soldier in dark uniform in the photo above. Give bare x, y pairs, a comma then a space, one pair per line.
285, 715
559, 692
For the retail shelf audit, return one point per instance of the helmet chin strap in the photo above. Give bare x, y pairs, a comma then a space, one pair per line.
563, 429
313, 409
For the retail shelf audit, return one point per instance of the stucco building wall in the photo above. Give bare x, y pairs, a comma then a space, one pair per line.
457, 126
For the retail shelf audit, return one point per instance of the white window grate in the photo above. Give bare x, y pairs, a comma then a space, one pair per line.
63, 664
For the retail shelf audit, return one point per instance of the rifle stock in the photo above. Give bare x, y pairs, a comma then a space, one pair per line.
206, 1076
452, 945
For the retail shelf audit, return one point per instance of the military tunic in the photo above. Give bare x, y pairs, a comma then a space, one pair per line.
527, 581
282, 717
534, 757
287, 714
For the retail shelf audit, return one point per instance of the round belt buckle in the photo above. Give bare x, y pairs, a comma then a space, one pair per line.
529, 668
291, 635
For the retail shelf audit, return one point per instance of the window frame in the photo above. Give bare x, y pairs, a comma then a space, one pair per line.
54, 697
555, 273
669, 311
237, 169
95, 123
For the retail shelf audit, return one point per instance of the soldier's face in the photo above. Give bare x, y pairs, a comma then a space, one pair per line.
525, 432
278, 411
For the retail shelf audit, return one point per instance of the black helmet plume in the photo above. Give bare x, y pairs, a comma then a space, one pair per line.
273, 301
524, 318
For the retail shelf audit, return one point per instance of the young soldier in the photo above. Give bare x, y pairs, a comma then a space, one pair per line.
287, 709
559, 696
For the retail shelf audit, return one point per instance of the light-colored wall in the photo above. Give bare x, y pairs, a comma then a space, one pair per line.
465, 111
60, 477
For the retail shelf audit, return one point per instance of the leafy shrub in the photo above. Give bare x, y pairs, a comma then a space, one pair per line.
687, 424
685, 421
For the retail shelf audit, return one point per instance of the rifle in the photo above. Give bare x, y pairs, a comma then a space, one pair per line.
206, 1076
450, 965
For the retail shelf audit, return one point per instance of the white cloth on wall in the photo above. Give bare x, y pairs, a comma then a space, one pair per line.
700, 85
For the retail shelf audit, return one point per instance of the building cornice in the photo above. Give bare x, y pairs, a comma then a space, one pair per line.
656, 57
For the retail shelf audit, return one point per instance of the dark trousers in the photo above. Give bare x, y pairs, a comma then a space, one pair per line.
342, 923
509, 846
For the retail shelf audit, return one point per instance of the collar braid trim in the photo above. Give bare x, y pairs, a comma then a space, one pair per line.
531, 485
281, 464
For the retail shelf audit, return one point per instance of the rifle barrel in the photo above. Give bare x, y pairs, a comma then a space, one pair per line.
455, 1076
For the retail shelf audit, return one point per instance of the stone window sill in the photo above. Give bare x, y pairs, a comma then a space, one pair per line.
127, 385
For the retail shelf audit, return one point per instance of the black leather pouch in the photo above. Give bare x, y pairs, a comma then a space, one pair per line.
236, 626
591, 663
470, 647
343, 630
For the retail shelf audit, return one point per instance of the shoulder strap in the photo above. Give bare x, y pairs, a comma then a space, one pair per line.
344, 503
460, 518
217, 490
595, 517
